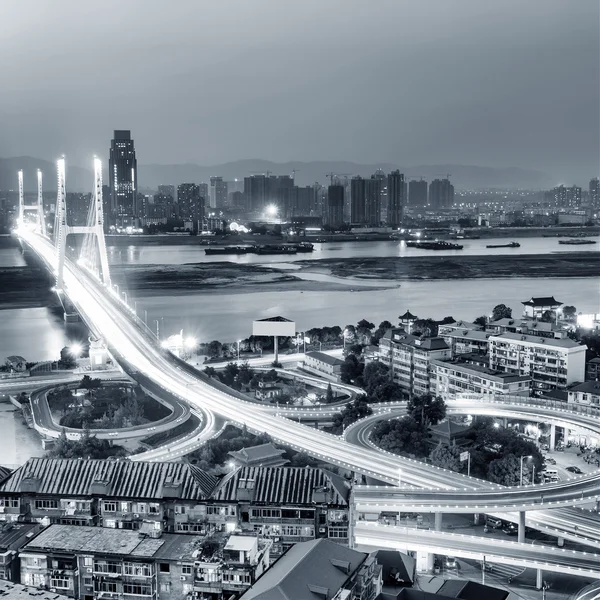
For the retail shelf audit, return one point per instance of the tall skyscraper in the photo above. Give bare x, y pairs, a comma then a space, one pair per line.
417, 193
567, 197
334, 216
261, 190
122, 168
191, 203
595, 192
373, 191
441, 194
396, 198
357, 200
218, 193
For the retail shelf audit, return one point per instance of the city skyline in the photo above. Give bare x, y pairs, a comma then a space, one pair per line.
459, 74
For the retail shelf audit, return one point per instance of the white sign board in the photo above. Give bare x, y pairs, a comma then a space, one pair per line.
274, 327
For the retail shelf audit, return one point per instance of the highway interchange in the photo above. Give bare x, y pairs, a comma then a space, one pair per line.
108, 317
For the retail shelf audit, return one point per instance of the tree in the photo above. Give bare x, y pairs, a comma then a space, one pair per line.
548, 316
569, 313
352, 412
426, 327
67, 360
364, 329
329, 397
501, 311
214, 349
505, 471
399, 436
426, 409
245, 373
61, 398
375, 374
446, 457
351, 369
88, 383
481, 321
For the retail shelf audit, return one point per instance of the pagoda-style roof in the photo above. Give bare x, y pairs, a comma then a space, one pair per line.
542, 301
408, 316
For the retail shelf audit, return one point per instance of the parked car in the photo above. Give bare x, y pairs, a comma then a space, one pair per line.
450, 562
550, 461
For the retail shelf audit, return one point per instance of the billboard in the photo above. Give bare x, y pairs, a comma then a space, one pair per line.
274, 326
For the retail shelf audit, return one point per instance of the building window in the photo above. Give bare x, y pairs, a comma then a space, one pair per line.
164, 567
46, 504
137, 569
109, 507
186, 569
137, 589
153, 509
9, 502
60, 582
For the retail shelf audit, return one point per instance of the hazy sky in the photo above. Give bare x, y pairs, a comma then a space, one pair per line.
487, 82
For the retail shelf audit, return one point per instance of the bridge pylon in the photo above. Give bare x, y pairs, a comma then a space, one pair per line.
39, 223
63, 229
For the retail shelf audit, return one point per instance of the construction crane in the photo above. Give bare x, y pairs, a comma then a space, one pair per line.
267, 173
294, 171
445, 175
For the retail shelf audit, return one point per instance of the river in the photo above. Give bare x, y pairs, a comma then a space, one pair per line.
176, 255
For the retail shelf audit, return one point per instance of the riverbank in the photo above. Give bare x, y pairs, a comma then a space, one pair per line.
422, 268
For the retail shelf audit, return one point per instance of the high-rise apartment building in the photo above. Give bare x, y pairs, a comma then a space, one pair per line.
395, 197
218, 193
417, 193
191, 203
334, 217
441, 193
167, 190
565, 197
122, 168
357, 200
262, 190
365, 207
595, 192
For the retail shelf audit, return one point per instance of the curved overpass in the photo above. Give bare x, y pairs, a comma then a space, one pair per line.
107, 317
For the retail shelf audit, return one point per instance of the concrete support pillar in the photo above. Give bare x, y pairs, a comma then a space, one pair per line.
560, 542
438, 521
521, 531
424, 561
476, 519
505, 422
538, 579
552, 437
276, 344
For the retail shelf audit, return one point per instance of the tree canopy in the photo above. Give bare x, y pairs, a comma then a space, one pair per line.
426, 409
501, 311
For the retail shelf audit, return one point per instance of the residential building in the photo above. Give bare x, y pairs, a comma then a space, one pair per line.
357, 200
441, 194
12, 537
260, 190
231, 567
595, 192
167, 190
116, 494
409, 358
296, 201
567, 196
15, 591
528, 327
373, 192
218, 193
264, 455
176, 497
396, 198
323, 364
453, 378
592, 369
122, 174
335, 206
417, 193
551, 363
191, 204
535, 307
463, 337
321, 569
284, 504
91, 562
587, 393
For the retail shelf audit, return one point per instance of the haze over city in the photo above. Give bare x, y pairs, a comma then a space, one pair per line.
299, 300
498, 84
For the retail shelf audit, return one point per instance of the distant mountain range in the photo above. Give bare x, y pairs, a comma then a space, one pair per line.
151, 176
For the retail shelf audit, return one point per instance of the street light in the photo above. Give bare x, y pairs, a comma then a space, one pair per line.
76, 350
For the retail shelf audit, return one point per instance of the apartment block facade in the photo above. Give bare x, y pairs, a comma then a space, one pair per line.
551, 363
